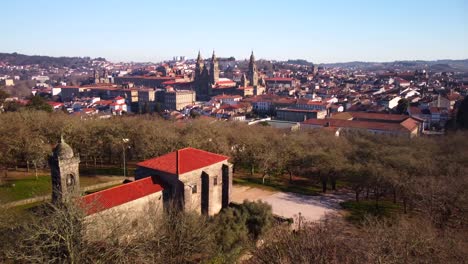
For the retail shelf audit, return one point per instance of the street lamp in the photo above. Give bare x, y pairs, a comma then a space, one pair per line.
124, 140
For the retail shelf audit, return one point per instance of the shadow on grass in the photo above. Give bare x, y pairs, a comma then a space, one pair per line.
110, 171
298, 186
359, 210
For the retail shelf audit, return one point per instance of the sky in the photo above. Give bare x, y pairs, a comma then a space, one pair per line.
318, 31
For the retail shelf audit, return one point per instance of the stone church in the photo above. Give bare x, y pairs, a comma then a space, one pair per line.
205, 80
189, 179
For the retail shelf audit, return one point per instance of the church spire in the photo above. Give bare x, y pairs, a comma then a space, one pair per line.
252, 57
199, 58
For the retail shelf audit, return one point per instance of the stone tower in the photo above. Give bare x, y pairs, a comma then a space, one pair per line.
253, 74
96, 76
214, 69
199, 67
243, 82
65, 172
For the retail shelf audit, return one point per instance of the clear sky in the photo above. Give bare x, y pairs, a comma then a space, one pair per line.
317, 30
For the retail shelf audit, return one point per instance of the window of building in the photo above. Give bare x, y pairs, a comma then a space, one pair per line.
194, 189
215, 180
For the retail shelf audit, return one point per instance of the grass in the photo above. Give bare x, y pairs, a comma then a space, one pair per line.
357, 211
300, 186
101, 189
106, 171
19, 189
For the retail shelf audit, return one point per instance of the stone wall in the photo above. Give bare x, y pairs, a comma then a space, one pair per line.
135, 215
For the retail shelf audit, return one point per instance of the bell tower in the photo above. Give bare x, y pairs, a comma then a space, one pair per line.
64, 168
214, 69
252, 73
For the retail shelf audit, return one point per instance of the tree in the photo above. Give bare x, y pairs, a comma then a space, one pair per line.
462, 114
39, 103
402, 106
3, 96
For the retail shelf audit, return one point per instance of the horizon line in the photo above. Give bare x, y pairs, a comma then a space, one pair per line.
247, 58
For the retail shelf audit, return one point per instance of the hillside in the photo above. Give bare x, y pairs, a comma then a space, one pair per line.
436, 66
45, 61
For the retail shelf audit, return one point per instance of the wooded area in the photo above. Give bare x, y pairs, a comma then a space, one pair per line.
426, 176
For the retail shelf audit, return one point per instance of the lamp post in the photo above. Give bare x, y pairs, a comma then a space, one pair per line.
124, 140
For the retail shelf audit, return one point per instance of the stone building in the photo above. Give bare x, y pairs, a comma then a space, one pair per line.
193, 179
176, 99
64, 170
189, 178
207, 82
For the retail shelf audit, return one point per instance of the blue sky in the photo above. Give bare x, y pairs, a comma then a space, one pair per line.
319, 31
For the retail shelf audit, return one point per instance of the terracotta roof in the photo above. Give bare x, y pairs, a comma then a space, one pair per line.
278, 79
189, 159
106, 199
378, 116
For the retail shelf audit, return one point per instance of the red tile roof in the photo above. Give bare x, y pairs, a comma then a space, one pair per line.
189, 159
106, 199
278, 79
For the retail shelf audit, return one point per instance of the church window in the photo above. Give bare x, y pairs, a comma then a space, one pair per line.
194, 189
215, 181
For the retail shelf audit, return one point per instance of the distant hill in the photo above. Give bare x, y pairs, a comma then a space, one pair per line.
436, 66
300, 62
45, 61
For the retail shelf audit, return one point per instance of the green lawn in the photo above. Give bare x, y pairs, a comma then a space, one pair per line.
359, 210
18, 189
282, 184
106, 171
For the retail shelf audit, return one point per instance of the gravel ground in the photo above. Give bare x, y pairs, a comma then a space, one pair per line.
289, 205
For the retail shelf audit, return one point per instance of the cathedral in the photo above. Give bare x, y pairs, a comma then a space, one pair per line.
100, 78
207, 81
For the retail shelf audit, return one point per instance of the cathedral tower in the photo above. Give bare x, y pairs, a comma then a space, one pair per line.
253, 74
97, 79
64, 168
214, 69
199, 67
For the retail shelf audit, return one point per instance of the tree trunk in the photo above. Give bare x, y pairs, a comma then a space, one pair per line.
35, 170
394, 196
252, 170
333, 183
357, 196
263, 178
290, 177
376, 200
405, 206
27, 166
367, 193
324, 184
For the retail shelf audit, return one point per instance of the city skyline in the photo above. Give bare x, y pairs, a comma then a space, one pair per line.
146, 31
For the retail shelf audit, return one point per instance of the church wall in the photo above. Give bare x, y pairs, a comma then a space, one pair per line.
193, 178
121, 219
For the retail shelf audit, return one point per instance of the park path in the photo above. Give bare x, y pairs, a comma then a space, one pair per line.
44, 198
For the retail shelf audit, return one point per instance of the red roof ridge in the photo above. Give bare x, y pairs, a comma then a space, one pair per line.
183, 160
